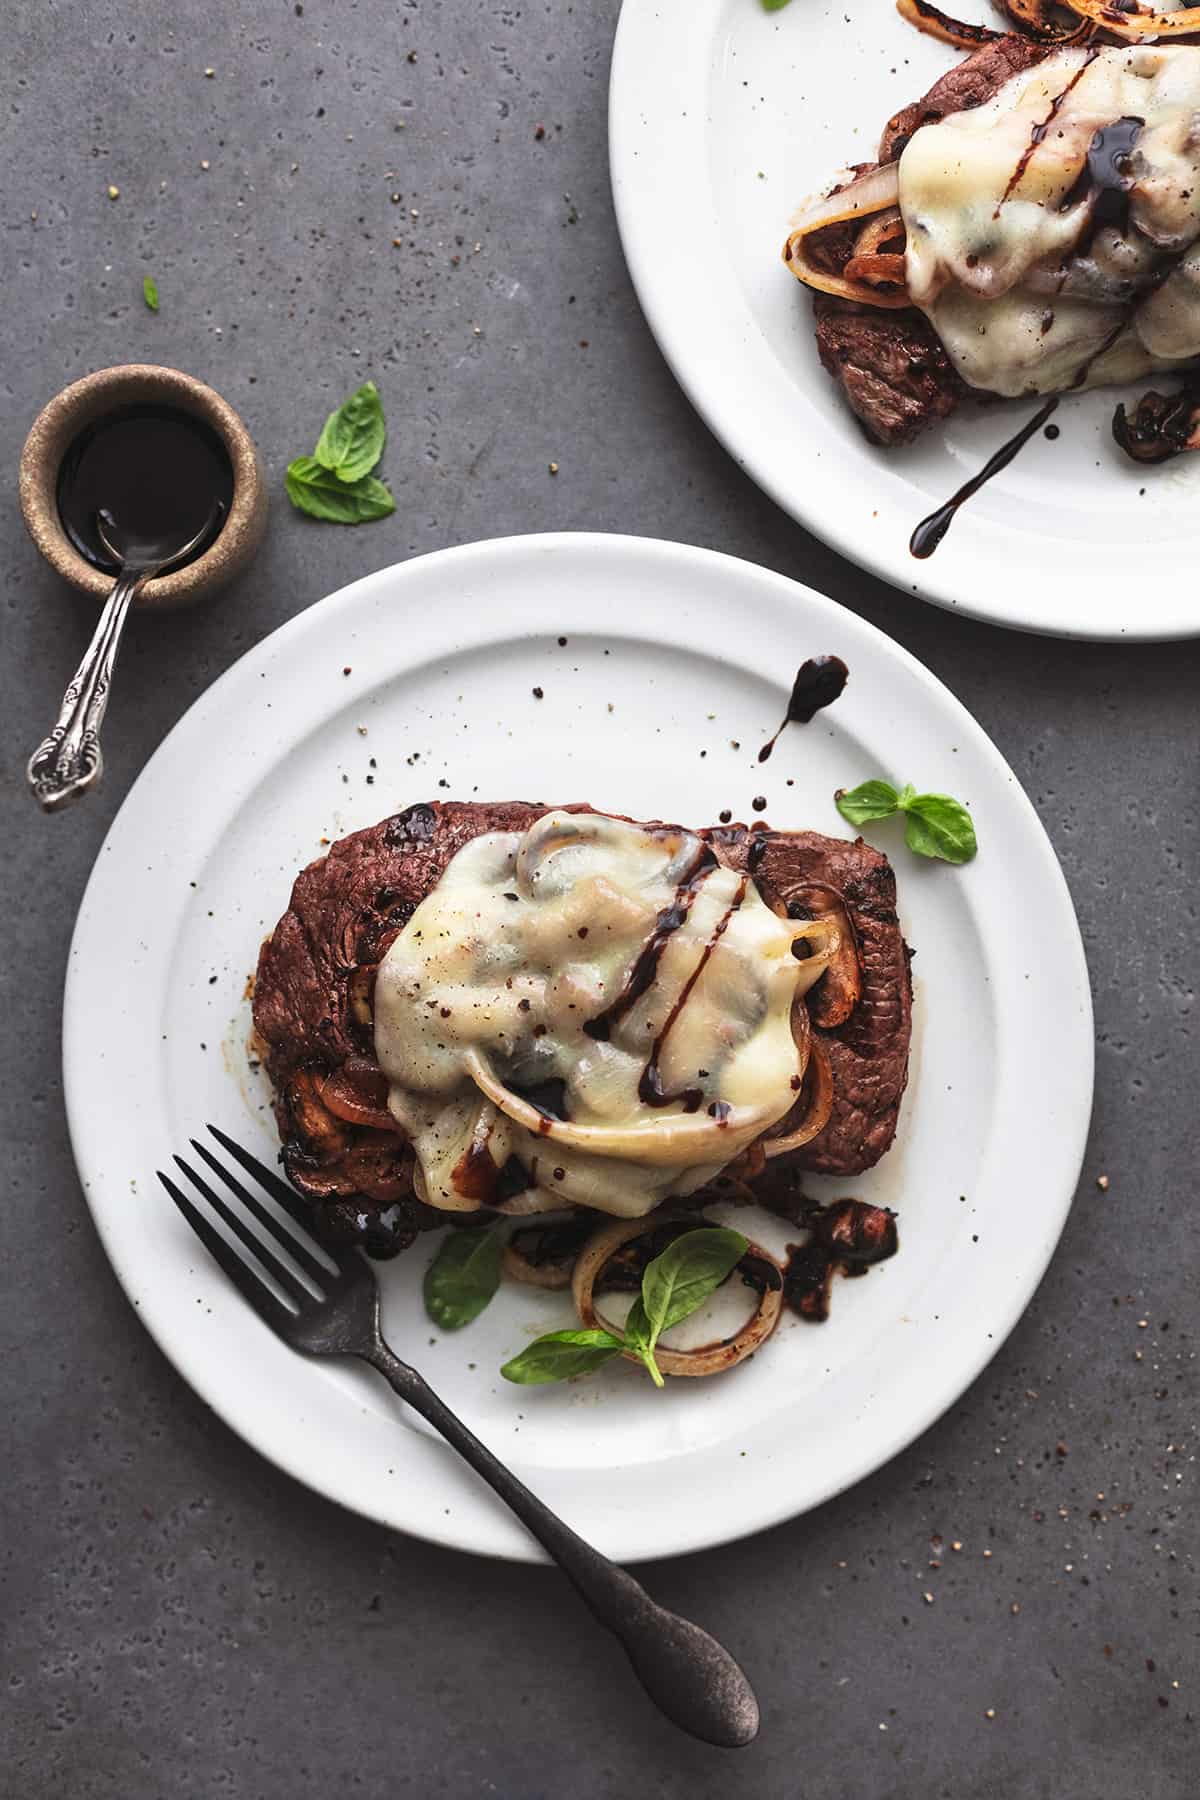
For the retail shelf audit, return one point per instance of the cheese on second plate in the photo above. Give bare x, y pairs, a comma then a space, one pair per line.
1052, 233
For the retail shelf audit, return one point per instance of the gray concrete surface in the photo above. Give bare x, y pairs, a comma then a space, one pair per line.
178, 1618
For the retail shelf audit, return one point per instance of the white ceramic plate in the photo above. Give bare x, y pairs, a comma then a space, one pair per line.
722, 119
422, 675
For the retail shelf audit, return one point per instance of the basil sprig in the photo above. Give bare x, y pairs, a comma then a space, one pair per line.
463, 1276
150, 292
674, 1285
335, 483
934, 824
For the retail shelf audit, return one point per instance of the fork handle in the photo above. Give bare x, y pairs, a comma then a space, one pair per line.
688, 1675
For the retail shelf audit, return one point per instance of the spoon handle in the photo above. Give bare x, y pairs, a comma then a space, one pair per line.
690, 1676
66, 763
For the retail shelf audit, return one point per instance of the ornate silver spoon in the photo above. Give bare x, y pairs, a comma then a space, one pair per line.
66, 763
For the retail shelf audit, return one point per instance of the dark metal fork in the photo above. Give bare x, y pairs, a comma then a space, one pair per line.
688, 1675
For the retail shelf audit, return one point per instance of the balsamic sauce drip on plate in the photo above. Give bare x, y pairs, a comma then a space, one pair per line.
818, 683
930, 532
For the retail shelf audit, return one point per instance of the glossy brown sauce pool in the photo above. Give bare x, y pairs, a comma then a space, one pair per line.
157, 470
930, 532
818, 683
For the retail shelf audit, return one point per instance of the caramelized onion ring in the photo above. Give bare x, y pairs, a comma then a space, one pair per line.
543, 1275
805, 270
941, 26
709, 1359
680, 1138
1134, 26
1035, 19
884, 228
820, 1106
876, 191
876, 270
858, 199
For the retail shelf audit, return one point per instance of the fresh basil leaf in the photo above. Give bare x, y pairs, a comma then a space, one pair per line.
907, 795
869, 800
638, 1339
774, 5
561, 1354
150, 292
937, 825
352, 438
686, 1273
318, 491
463, 1276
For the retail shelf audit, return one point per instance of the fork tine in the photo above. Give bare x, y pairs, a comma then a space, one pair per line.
244, 1278
278, 1189
301, 1248
266, 1250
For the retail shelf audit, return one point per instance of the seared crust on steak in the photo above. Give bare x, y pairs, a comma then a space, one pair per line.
966, 85
890, 365
312, 1002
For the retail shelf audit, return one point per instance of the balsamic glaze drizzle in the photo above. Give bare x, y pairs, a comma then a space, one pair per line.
650, 1087
649, 956
930, 532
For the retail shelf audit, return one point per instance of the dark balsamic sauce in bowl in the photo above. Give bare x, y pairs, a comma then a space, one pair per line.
157, 470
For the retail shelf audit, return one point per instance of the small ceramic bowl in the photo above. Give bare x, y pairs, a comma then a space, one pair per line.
108, 390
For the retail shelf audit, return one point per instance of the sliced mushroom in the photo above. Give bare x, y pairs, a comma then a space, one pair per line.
378, 1170
1160, 426
310, 1117
709, 1359
839, 990
357, 1092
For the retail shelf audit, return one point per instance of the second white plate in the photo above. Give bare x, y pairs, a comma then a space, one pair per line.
722, 119
642, 677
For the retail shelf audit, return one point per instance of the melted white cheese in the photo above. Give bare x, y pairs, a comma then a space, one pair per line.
998, 272
528, 937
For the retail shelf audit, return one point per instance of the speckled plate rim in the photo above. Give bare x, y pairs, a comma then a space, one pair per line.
130, 923
789, 430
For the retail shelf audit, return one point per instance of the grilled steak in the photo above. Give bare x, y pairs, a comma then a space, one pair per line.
891, 366
313, 991
966, 85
